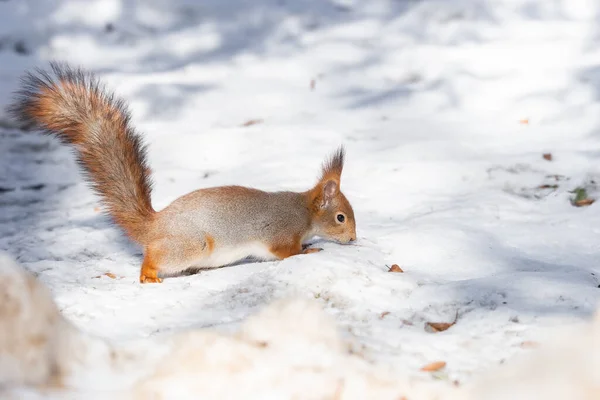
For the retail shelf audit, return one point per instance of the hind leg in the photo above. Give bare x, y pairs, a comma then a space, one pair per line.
171, 255
150, 268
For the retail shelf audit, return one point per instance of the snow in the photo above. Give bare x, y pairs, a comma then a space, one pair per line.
445, 108
288, 346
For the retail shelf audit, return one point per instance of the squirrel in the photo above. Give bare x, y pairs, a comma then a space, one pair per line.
206, 228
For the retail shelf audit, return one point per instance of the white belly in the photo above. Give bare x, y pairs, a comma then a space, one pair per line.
229, 254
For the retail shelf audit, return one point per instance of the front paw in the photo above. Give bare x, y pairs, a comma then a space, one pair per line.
311, 250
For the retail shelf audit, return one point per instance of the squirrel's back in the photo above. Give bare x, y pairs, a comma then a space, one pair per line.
73, 106
251, 214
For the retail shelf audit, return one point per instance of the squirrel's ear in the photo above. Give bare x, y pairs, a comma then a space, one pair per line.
333, 166
330, 190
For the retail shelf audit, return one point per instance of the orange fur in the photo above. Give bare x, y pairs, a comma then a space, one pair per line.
333, 166
287, 249
72, 106
210, 243
326, 200
315, 199
150, 266
312, 250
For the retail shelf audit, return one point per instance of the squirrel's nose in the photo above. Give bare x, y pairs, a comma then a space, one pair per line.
352, 240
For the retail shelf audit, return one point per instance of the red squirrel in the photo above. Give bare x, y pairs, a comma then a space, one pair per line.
206, 228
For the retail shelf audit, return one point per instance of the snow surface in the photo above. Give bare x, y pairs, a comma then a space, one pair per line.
445, 108
278, 353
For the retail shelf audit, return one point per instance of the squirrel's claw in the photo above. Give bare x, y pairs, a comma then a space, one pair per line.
312, 250
148, 279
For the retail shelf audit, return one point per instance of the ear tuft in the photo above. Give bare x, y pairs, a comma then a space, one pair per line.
333, 166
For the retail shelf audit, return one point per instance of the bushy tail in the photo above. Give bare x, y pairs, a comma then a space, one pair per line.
72, 105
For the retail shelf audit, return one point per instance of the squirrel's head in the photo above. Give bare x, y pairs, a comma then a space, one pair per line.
332, 214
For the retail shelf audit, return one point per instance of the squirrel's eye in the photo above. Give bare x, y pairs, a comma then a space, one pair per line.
341, 218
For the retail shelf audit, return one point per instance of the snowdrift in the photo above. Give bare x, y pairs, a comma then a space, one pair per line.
291, 349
